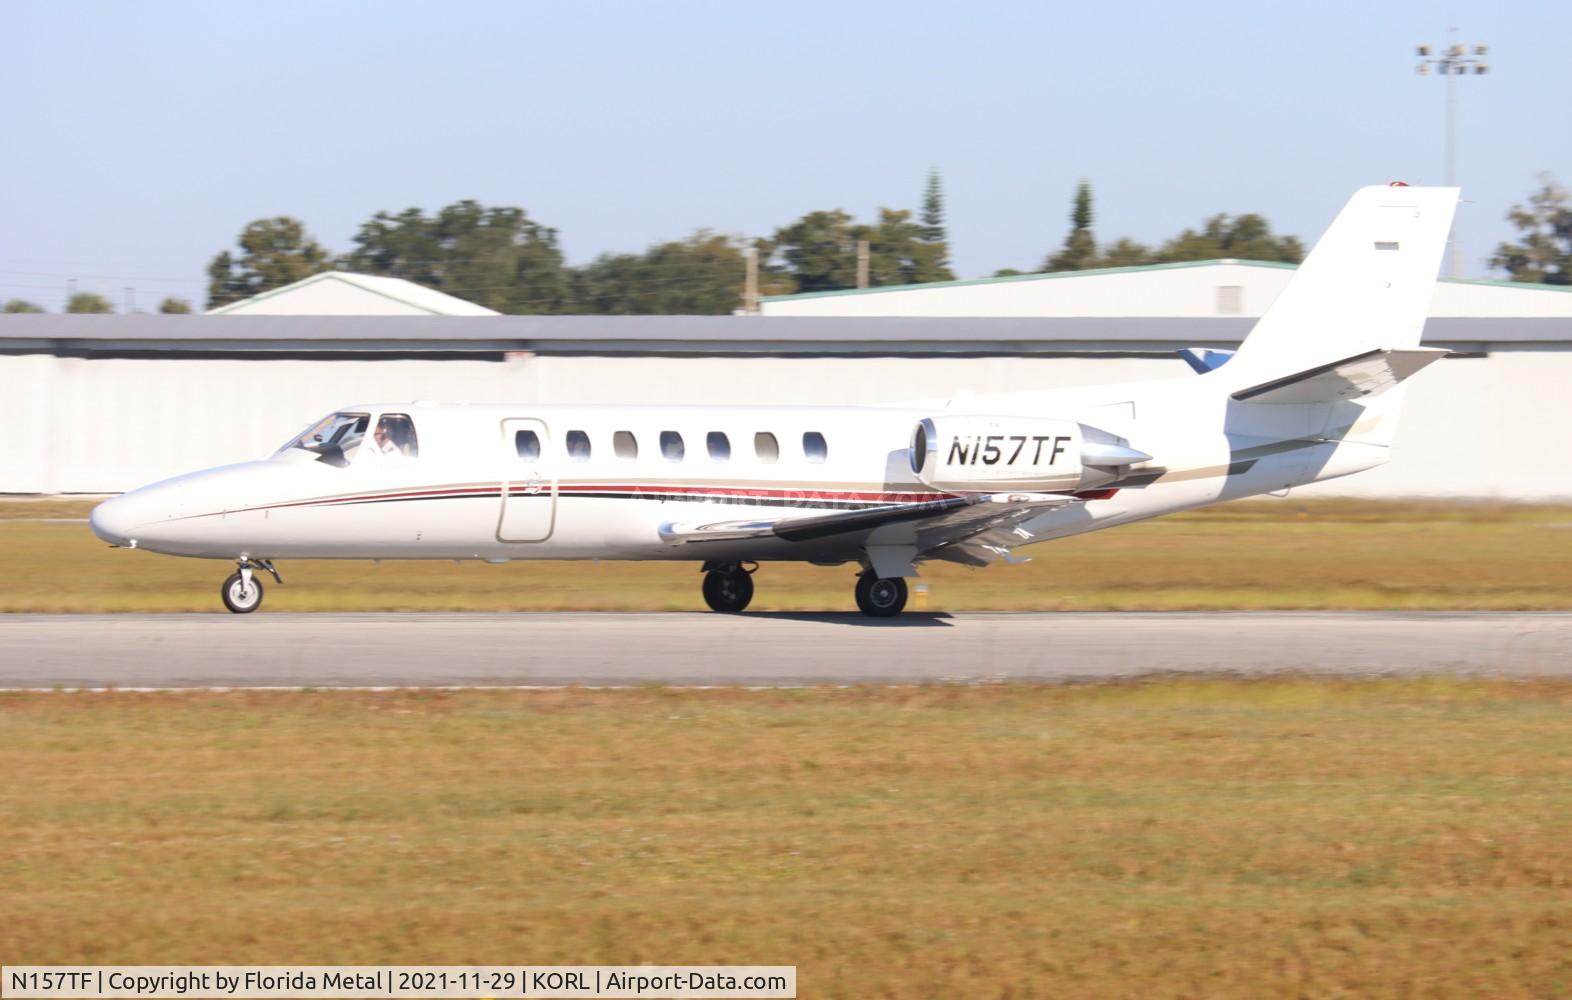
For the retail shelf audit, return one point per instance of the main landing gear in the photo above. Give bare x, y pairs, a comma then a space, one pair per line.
728, 587
242, 592
880, 596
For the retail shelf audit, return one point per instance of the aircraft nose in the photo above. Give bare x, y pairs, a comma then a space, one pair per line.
113, 520
125, 519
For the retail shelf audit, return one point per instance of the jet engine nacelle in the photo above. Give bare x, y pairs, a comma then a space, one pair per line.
992, 454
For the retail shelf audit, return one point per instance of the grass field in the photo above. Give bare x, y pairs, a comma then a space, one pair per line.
1284, 838
1257, 554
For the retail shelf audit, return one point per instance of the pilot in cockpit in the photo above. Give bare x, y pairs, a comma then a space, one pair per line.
383, 442
394, 438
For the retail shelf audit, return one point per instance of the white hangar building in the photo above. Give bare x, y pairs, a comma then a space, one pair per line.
96, 404
342, 293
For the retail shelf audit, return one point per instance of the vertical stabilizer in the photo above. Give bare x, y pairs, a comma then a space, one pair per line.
1366, 286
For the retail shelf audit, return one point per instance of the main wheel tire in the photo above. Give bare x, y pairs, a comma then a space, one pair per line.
239, 599
880, 597
727, 593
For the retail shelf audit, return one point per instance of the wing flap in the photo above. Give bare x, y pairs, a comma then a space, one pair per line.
1367, 374
991, 521
936, 523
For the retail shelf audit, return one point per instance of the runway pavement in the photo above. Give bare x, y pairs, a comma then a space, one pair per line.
327, 650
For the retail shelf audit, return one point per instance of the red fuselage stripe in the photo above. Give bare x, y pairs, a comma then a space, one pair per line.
634, 490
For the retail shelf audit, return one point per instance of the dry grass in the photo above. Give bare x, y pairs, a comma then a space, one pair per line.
1259, 554
1283, 838
25, 506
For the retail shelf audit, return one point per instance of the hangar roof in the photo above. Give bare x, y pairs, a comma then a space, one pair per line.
318, 336
1189, 288
344, 293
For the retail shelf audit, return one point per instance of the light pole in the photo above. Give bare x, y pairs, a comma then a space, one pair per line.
1452, 62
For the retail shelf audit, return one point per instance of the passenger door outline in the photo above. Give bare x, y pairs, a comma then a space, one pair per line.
529, 487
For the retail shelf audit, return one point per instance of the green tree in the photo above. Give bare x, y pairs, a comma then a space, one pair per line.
406, 245
496, 257
701, 275
895, 249
933, 209
1243, 237
820, 251
174, 306
88, 302
931, 256
20, 306
1125, 252
273, 253
1080, 246
500, 258
774, 277
1544, 253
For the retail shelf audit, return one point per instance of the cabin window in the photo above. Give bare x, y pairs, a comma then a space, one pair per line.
765, 448
527, 445
671, 446
814, 448
395, 437
333, 439
625, 445
718, 445
578, 444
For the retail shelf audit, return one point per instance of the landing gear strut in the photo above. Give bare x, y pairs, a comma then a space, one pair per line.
728, 587
880, 597
242, 592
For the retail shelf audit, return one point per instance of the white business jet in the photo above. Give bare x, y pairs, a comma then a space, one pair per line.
1313, 393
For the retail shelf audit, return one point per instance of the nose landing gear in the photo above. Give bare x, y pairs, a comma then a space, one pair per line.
242, 592
728, 587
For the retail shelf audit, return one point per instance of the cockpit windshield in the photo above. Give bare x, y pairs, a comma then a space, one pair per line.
333, 439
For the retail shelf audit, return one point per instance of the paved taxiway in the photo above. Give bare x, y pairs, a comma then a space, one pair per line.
269, 650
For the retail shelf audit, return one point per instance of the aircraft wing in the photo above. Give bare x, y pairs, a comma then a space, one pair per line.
1362, 375
983, 521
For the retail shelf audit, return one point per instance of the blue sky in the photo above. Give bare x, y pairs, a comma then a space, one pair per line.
141, 137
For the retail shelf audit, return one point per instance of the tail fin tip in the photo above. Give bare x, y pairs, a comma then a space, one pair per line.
1365, 286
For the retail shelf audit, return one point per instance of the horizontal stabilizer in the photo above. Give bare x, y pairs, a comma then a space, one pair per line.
1367, 374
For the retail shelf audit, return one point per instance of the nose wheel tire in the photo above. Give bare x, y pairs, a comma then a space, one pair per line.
727, 592
880, 597
239, 596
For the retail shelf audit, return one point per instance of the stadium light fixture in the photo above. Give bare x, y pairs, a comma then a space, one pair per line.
1452, 62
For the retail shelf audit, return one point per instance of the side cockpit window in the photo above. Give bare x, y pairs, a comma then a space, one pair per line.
334, 439
395, 438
